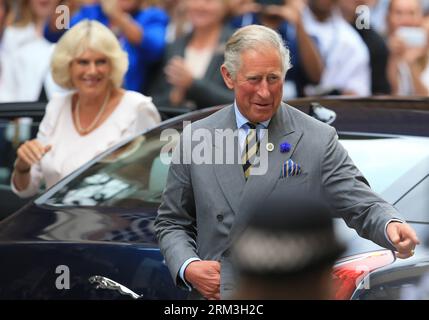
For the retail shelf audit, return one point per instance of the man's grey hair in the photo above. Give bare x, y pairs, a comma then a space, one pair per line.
254, 37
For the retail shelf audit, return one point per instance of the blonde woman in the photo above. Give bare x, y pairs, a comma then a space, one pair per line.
141, 33
96, 115
408, 64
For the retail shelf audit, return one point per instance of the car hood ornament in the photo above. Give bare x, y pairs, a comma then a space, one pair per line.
106, 283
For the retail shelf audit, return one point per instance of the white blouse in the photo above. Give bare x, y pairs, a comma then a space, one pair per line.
198, 61
70, 150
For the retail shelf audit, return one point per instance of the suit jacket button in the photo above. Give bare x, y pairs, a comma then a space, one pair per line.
219, 217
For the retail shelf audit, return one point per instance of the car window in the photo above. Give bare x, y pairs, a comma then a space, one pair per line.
385, 160
416, 202
12, 133
130, 177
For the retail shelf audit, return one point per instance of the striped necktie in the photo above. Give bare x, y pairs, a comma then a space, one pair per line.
251, 149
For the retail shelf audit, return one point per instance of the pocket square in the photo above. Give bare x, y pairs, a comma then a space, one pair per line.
290, 169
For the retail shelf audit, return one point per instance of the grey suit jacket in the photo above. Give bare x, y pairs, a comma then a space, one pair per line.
202, 204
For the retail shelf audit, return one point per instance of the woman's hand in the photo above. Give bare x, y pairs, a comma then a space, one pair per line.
30, 153
399, 50
178, 74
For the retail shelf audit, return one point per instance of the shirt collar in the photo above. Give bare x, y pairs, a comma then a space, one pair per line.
241, 120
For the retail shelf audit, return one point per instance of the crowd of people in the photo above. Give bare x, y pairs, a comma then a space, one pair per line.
175, 48
104, 77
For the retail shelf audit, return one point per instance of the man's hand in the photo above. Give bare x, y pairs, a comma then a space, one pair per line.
403, 237
205, 277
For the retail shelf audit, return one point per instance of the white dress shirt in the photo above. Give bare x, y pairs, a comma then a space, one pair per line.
345, 55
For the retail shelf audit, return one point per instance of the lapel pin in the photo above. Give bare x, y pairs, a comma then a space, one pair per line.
270, 147
285, 147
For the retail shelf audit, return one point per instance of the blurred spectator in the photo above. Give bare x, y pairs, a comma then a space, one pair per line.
287, 250
286, 19
178, 25
408, 68
378, 51
345, 55
378, 13
80, 125
190, 74
140, 32
25, 54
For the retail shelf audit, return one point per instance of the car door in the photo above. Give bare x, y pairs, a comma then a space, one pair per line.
18, 123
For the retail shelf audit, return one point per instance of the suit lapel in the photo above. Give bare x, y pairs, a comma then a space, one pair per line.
230, 176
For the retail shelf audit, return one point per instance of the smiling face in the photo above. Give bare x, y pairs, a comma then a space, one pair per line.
90, 73
404, 13
258, 84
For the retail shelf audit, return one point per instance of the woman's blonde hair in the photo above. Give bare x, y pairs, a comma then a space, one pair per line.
93, 35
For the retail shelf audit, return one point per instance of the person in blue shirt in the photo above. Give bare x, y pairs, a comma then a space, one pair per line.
285, 18
140, 32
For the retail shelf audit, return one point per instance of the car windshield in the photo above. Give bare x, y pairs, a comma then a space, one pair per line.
134, 174
384, 160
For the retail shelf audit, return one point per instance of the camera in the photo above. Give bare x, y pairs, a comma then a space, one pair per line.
412, 36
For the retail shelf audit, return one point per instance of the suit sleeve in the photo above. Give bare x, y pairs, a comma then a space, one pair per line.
175, 225
352, 198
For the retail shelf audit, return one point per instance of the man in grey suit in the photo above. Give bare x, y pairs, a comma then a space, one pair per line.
204, 203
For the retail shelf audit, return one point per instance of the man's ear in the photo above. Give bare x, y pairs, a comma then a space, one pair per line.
227, 77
